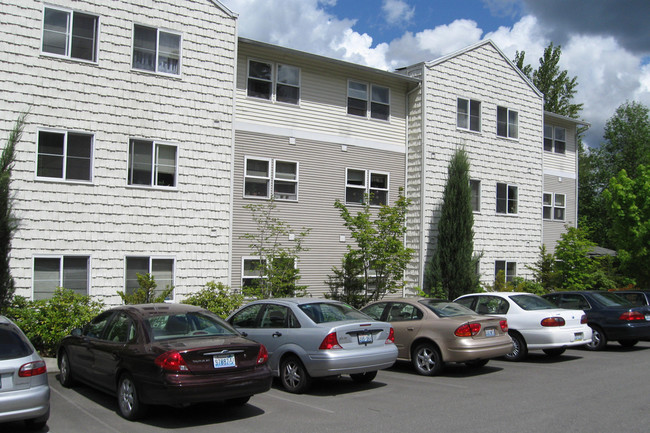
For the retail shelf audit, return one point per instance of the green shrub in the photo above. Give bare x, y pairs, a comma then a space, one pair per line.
217, 298
47, 321
147, 293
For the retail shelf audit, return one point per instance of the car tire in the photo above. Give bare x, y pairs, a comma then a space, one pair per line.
628, 343
293, 375
240, 401
427, 360
520, 350
598, 339
364, 377
65, 369
128, 401
477, 363
554, 352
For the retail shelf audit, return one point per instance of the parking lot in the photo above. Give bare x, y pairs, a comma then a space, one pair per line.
580, 391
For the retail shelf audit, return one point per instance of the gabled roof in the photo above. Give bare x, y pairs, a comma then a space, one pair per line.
221, 6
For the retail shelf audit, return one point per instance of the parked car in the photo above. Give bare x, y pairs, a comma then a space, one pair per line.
24, 389
612, 317
533, 322
637, 297
432, 332
308, 338
166, 354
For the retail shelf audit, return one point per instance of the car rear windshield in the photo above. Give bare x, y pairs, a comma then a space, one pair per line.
530, 302
187, 325
446, 309
323, 312
612, 300
12, 343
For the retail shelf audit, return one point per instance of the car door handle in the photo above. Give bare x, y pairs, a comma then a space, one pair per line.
276, 334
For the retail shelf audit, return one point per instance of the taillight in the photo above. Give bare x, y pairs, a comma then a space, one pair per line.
468, 330
330, 342
583, 319
171, 361
631, 316
263, 355
391, 337
553, 321
32, 369
504, 325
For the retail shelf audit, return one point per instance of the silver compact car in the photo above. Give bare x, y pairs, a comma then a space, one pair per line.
24, 389
309, 338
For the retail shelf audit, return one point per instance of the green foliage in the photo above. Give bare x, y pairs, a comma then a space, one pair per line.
217, 298
573, 265
543, 270
47, 321
346, 285
146, 293
517, 284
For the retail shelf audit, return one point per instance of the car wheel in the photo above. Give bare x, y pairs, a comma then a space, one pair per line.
520, 349
293, 375
554, 352
598, 339
627, 343
364, 377
65, 370
477, 363
427, 360
238, 401
128, 401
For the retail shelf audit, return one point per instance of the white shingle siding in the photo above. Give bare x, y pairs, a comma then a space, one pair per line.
108, 220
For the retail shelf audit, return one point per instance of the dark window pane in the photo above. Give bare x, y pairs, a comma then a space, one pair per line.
354, 195
502, 121
358, 107
78, 156
259, 89
84, 36
50, 154
288, 94
75, 274
140, 162
379, 111
169, 53
462, 113
144, 48
378, 198
46, 277
475, 116
502, 198
134, 266
260, 70
56, 31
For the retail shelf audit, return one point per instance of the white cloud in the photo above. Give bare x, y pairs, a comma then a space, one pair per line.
397, 11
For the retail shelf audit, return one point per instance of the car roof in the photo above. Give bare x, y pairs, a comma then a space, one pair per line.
149, 310
297, 301
499, 294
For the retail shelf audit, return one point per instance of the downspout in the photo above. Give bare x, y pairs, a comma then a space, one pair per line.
406, 154
423, 172
232, 152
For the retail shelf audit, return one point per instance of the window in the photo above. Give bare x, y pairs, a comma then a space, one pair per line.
70, 272
358, 183
554, 139
358, 100
475, 190
468, 114
161, 269
507, 123
506, 198
64, 155
151, 163
261, 81
509, 269
70, 34
156, 51
491, 305
251, 272
554, 206
258, 179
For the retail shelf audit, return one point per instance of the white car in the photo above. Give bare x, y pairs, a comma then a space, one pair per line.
534, 323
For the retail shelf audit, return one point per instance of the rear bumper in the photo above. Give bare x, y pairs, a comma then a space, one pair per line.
335, 362
24, 404
628, 331
556, 337
484, 350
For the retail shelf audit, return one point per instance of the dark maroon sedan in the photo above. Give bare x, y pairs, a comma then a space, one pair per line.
170, 354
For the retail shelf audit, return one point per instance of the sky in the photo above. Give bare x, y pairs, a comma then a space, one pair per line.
605, 43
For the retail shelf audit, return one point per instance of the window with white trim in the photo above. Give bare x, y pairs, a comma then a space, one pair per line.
507, 123
64, 155
70, 272
507, 198
554, 139
251, 274
162, 270
358, 183
152, 163
475, 190
156, 50
368, 100
554, 205
273, 82
263, 175
509, 269
70, 34
468, 115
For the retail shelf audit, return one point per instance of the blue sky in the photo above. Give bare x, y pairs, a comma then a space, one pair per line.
605, 43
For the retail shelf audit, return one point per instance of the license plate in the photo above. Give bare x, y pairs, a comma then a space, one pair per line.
579, 336
490, 333
364, 338
223, 361
647, 317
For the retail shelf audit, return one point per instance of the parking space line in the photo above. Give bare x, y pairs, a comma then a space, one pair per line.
84, 410
300, 403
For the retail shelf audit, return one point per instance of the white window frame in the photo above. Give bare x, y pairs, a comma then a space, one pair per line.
508, 276
508, 199
151, 258
271, 179
243, 277
511, 133
377, 102
157, 50
369, 101
478, 196
468, 115
61, 258
552, 137
554, 206
367, 188
155, 165
65, 157
273, 82
274, 179
69, 34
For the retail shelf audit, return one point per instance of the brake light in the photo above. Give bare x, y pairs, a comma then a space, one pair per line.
330, 342
553, 321
263, 355
32, 369
631, 316
171, 361
504, 325
583, 319
391, 337
467, 330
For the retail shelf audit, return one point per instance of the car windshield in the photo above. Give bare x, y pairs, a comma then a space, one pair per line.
187, 325
12, 344
532, 302
322, 312
611, 300
446, 309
